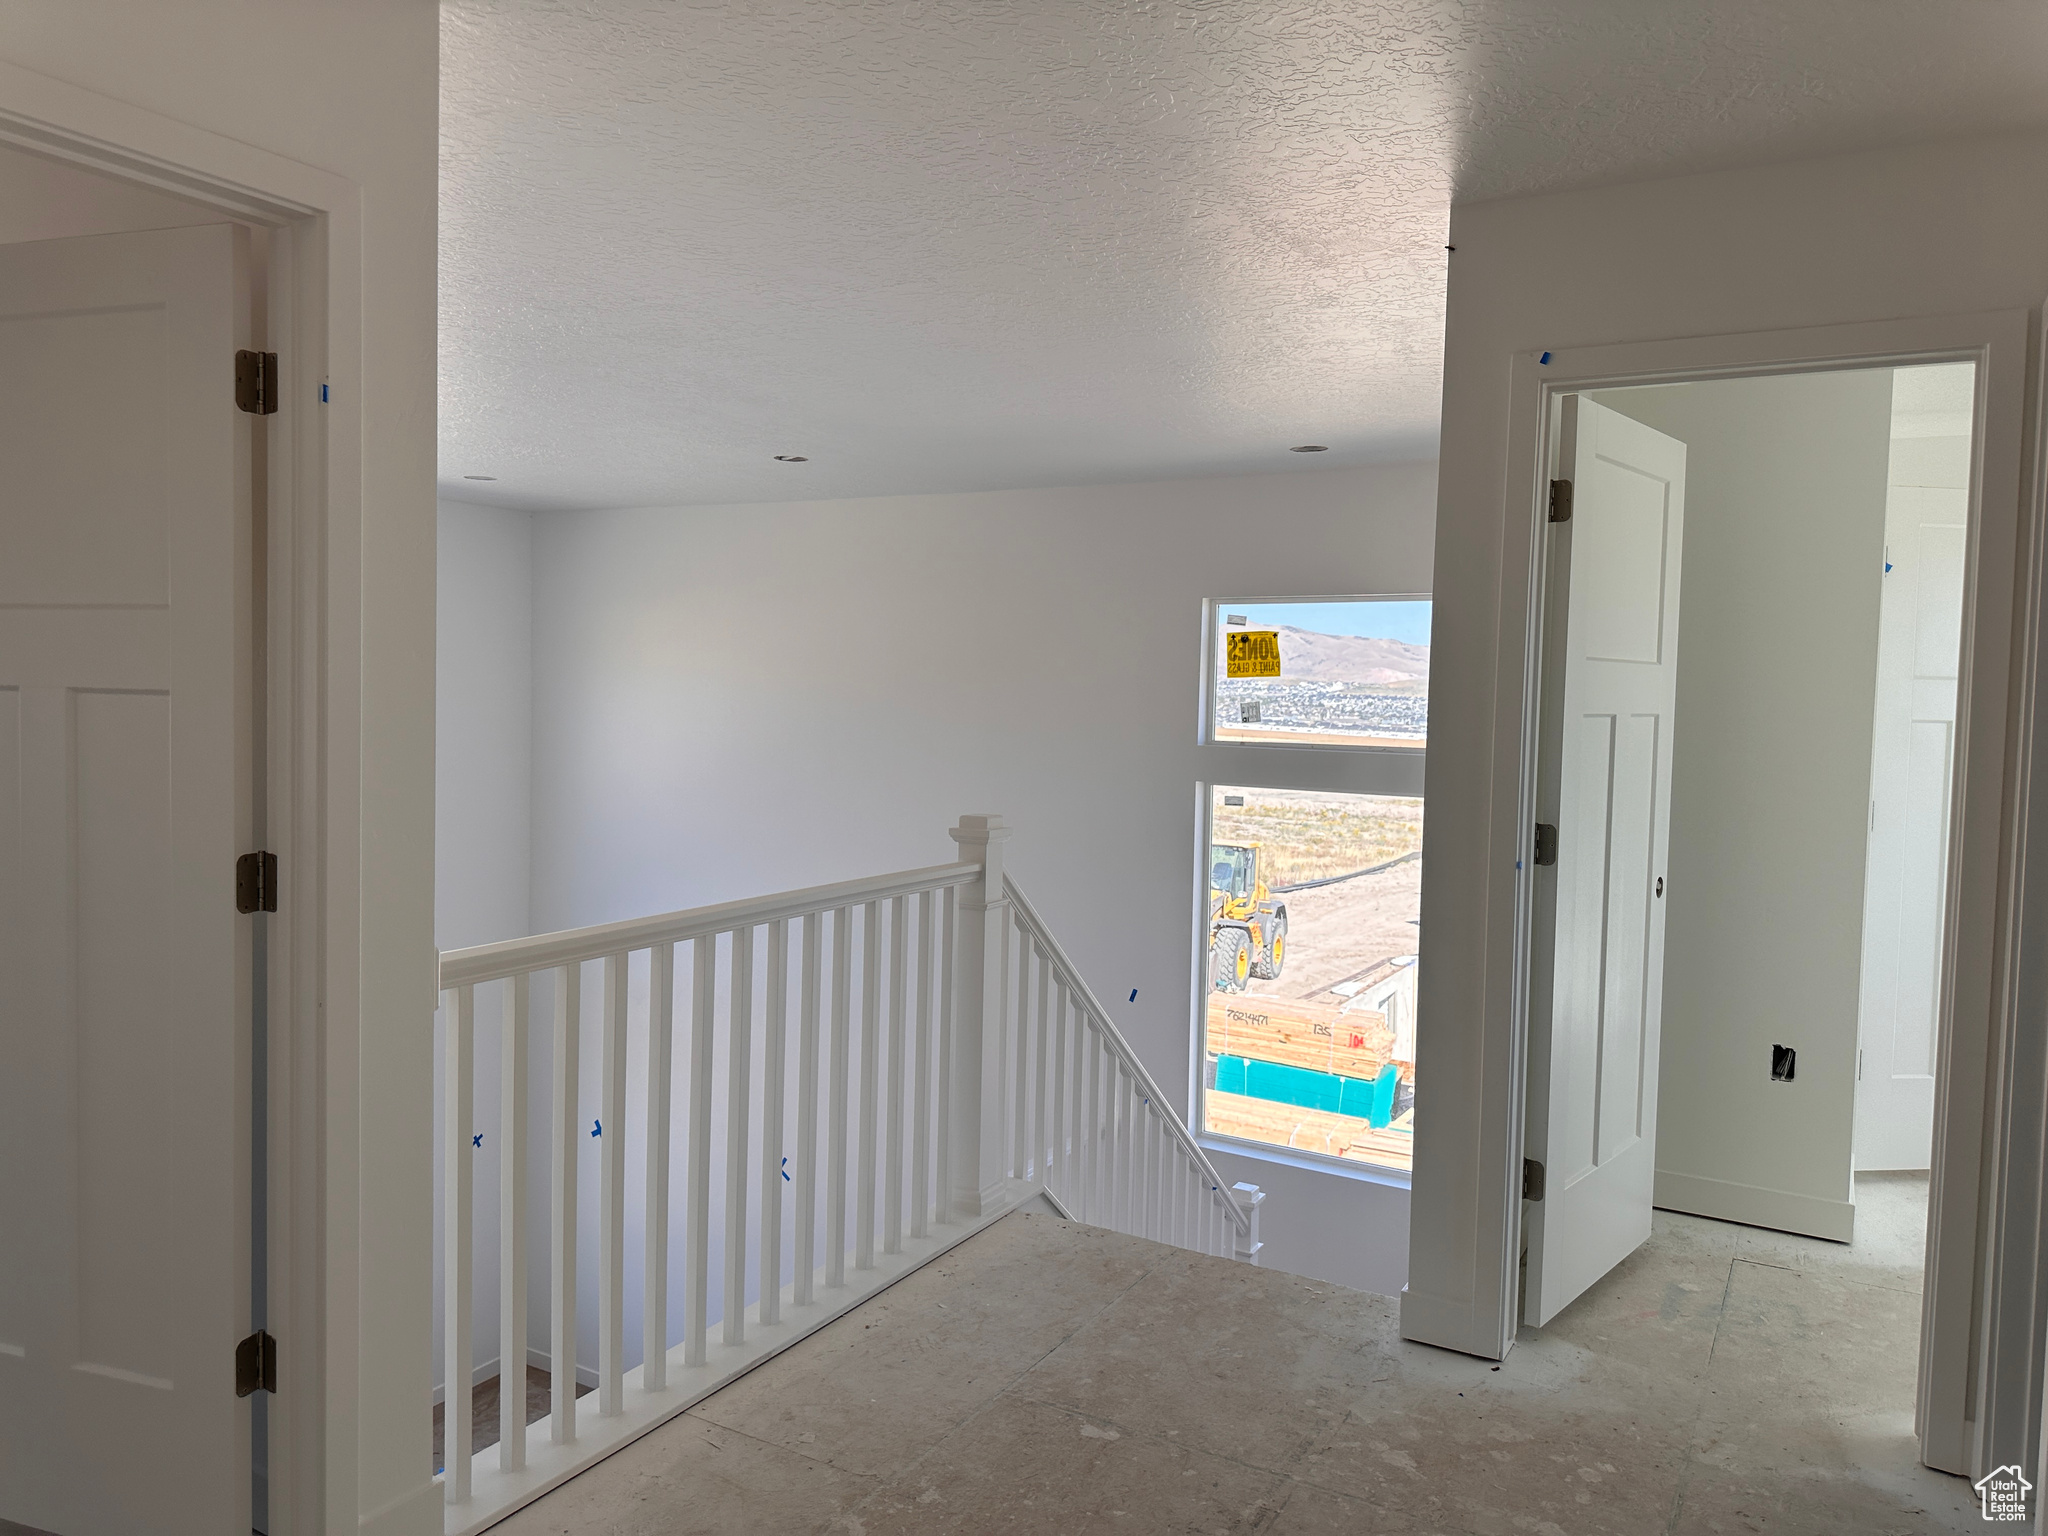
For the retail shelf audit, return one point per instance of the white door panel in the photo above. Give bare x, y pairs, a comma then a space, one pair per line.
125, 753
1604, 781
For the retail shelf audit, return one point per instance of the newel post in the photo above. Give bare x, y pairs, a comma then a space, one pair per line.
1249, 1198
978, 1174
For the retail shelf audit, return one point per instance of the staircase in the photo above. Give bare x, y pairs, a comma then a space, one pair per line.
870, 1073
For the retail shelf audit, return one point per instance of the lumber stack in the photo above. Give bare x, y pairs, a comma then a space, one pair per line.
1302, 1032
1310, 1130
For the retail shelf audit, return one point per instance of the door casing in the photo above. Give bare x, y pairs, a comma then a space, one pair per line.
310, 517
1982, 1300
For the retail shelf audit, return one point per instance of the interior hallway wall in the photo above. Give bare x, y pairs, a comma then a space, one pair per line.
1777, 665
736, 700
483, 734
355, 90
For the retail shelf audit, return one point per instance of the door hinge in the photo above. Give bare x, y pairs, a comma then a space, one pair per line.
1546, 843
256, 882
1532, 1179
256, 382
256, 1364
1560, 501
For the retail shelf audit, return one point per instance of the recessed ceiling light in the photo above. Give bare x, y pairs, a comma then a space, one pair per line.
791, 458
1311, 448
479, 477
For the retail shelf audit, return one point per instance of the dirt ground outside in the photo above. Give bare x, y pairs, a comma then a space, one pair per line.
1333, 931
1308, 836
1336, 931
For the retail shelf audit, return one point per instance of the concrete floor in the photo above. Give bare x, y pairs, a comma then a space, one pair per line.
1048, 1377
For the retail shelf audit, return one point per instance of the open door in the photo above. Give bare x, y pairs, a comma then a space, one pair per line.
1610, 670
126, 667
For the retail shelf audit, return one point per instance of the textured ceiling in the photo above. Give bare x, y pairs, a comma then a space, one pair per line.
987, 243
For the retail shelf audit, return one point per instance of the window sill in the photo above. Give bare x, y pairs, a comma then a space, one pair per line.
1315, 1162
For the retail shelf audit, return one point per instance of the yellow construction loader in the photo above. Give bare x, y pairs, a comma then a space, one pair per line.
1247, 927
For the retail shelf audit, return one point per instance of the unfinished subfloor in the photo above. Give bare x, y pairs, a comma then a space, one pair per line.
1049, 1377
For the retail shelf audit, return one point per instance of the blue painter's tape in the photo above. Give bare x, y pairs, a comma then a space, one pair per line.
323, 394
1544, 360
1134, 994
785, 1170
597, 1127
477, 1140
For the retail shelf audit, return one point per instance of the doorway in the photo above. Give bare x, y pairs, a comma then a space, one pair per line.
133, 1073
1752, 622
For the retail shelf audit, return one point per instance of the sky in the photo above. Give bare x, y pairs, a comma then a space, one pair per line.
1376, 619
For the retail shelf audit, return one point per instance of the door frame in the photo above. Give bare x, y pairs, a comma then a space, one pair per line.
1984, 1292
312, 527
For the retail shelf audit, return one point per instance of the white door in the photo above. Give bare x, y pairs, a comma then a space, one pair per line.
1604, 783
1919, 634
125, 751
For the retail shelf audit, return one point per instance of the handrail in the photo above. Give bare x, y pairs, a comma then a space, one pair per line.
545, 951
1092, 1007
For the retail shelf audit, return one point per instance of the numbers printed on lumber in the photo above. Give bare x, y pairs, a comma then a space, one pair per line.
1252, 653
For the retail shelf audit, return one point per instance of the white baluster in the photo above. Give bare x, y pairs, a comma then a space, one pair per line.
1141, 1150
1179, 1167
921, 1070
568, 1136
1062, 1094
739, 1070
942, 1111
661, 1014
458, 1102
773, 1045
870, 1083
892, 1162
1120, 1143
975, 1149
1087, 1120
1039, 1157
835, 1157
1157, 1198
697, 1277
804, 1227
1019, 1057
512, 1108
611, 1185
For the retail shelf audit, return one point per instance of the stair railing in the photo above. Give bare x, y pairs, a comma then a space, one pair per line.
1089, 1123
949, 1063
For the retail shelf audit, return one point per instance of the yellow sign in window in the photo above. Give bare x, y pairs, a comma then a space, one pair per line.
1251, 652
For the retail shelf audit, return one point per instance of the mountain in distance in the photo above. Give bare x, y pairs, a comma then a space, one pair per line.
1307, 656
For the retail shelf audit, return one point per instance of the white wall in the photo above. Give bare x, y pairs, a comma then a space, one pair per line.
483, 731
351, 89
732, 700
1777, 666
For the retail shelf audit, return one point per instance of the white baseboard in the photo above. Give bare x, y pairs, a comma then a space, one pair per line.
1755, 1206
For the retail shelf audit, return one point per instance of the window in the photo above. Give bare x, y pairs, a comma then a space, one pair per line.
1312, 905
1331, 673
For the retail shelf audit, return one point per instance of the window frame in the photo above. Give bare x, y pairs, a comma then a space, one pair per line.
1326, 767
1213, 613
